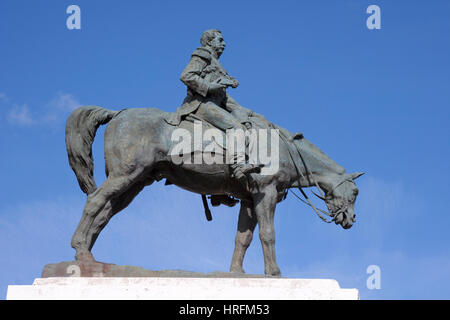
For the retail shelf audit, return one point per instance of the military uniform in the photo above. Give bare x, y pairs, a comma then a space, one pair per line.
218, 107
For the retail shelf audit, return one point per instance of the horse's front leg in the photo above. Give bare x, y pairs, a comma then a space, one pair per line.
244, 235
264, 204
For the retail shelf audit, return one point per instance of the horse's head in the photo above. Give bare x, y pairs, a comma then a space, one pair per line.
340, 197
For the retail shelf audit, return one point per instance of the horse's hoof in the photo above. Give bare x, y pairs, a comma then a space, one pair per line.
274, 273
238, 270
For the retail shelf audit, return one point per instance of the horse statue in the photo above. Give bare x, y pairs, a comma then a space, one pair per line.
137, 153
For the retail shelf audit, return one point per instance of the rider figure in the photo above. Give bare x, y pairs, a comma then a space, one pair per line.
206, 82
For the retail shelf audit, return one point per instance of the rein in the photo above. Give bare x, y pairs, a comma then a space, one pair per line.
308, 174
309, 203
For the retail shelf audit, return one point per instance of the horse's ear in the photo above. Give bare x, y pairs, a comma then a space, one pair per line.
298, 135
356, 175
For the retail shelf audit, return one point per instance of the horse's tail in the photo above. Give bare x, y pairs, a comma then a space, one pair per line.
81, 127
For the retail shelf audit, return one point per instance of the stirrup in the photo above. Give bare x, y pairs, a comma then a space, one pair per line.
217, 200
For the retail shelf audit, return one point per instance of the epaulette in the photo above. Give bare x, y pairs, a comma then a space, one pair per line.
202, 53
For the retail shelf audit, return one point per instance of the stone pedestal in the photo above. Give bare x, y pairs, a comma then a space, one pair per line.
181, 288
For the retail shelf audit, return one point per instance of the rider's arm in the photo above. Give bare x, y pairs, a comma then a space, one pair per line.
191, 76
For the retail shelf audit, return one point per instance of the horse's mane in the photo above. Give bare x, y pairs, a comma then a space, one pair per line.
315, 157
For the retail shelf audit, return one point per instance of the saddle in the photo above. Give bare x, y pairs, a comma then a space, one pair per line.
203, 137
193, 125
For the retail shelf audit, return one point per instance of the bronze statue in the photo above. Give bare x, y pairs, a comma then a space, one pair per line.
138, 144
207, 80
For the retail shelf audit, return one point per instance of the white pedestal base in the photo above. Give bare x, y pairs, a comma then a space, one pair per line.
165, 288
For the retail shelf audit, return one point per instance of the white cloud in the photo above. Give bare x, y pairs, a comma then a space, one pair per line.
20, 115
57, 110
64, 102
60, 107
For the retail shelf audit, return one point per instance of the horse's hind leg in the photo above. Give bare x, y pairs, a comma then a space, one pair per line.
244, 235
96, 202
113, 206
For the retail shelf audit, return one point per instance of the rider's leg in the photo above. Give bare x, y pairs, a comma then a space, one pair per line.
217, 116
224, 120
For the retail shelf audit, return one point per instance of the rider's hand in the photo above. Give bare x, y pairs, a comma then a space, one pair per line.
232, 82
216, 86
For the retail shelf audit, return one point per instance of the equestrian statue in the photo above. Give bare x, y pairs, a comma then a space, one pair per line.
142, 145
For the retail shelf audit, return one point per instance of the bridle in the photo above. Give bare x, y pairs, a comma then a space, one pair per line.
332, 215
307, 201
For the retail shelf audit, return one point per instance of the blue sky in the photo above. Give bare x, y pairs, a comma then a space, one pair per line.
374, 100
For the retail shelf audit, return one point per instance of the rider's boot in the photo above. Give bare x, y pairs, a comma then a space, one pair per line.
239, 168
240, 171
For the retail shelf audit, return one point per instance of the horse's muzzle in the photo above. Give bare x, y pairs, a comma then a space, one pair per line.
346, 219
